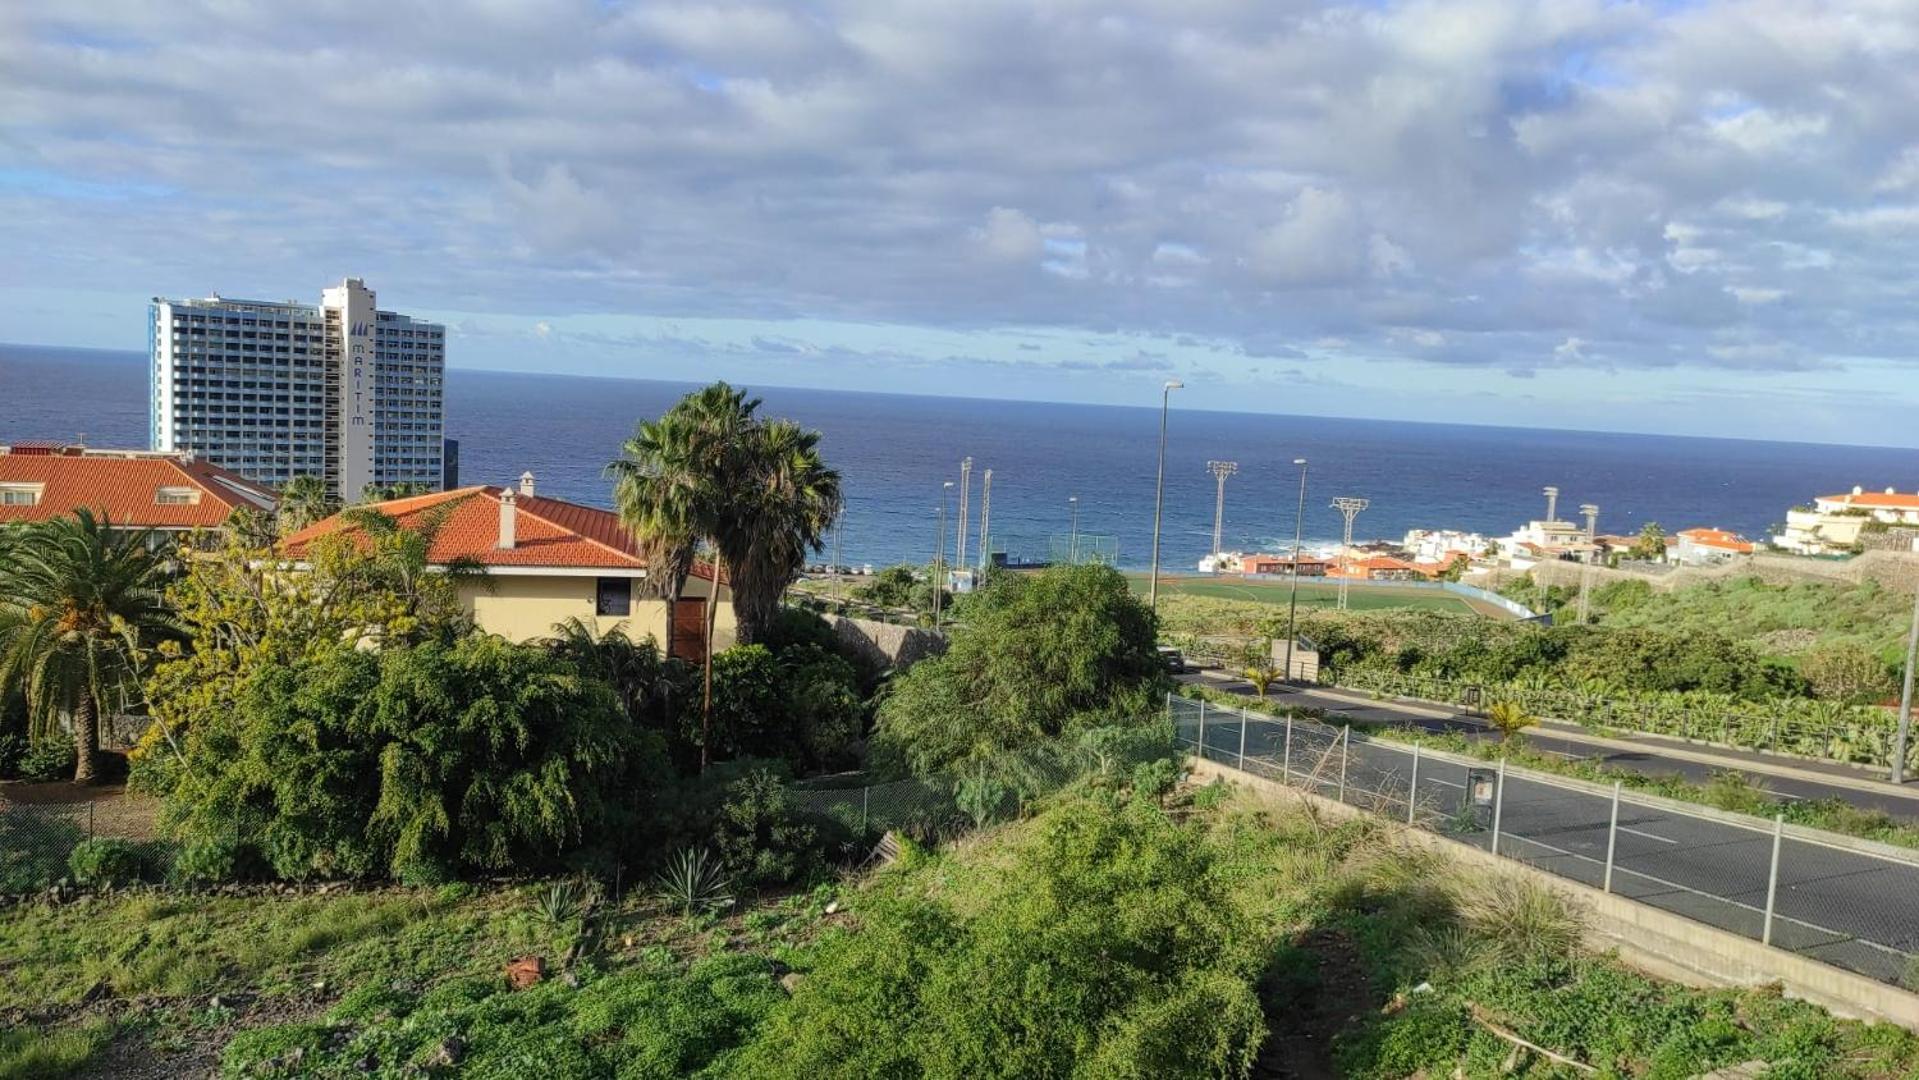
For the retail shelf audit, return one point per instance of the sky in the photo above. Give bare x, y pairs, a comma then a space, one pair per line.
1690, 217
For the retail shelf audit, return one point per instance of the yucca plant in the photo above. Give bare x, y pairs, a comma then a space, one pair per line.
1511, 720
561, 903
694, 881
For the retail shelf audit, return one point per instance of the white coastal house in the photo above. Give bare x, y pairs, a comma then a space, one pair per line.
1833, 524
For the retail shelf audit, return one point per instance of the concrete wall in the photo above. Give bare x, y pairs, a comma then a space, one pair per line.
525, 607
1658, 942
887, 645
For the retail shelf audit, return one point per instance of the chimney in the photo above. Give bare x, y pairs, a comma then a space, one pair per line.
507, 513
526, 483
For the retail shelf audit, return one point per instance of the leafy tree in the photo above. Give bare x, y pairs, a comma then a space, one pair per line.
1456, 569
376, 493
1055, 653
1651, 545
81, 605
652, 688
304, 501
801, 705
477, 755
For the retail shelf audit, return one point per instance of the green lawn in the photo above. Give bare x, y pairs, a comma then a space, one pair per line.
1311, 594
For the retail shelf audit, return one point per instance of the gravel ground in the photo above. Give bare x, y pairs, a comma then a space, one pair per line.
115, 810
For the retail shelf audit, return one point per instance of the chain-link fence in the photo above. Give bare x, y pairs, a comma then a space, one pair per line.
1824, 730
36, 842
1848, 902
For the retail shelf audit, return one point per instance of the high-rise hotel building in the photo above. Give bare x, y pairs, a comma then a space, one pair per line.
341, 390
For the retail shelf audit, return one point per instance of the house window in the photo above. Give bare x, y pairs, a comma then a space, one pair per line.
613, 596
19, 494
176, 496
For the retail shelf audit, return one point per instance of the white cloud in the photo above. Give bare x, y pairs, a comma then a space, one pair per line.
1009, 236
1316, 243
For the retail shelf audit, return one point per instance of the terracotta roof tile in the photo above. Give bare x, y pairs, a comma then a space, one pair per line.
547, 532
126, 489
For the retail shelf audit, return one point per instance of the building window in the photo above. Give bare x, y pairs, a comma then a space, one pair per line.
19, 494
613, 596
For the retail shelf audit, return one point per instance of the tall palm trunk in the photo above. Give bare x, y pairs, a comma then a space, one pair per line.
86, 739
706, 662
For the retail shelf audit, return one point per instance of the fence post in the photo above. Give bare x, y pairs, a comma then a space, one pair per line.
1772, 733
1245, 721
1286, 762
1612, 834
1499, 802
1345, 744
1412, 793
1202, 729
865, 793
1772, 877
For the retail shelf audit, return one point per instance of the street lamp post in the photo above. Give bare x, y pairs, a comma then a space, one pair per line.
1072, 545
1292, 604
1905, 697
1159, 488
939, 555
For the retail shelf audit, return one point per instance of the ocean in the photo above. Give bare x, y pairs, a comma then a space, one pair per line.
893, 451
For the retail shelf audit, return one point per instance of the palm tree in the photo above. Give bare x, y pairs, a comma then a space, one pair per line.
1511, 720
675, 485
783, 506
80, 602
303, 501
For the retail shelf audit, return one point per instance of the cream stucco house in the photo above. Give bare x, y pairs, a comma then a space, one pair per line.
548, 560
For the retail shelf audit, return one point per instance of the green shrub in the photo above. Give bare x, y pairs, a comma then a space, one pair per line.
1038, 658
48, 759
213, 858
1102, 945
800, 705
34, 842
424, 763
13, 746
759, 837
105, 861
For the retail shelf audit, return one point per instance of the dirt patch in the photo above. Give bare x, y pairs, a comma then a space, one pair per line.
103, 809
1318, 992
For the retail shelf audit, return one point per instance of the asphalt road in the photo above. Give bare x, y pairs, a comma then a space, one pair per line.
1851, 909
1647, 761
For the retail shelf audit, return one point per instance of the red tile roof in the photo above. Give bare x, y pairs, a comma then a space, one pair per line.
1876, 500
1718, 538
125, 488
547, 532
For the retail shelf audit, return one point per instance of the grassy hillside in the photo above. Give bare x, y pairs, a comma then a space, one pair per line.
1313, 595
1782, 620
1119, 932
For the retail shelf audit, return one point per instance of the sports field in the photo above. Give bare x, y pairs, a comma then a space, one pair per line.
1314, 594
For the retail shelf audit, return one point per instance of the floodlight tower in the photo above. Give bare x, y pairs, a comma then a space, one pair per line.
1220, 470
966, 486
1591, 513
1348, 508
985, 520
1552, 504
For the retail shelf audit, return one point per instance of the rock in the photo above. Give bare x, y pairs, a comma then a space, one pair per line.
525, 971
790, 981
832, 907
447, 1054
367, 1063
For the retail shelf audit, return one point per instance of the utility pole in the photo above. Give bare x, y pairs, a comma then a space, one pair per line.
1591, 513
1292, 605
966, 487
939, 555
1349, 508
1159, 488
985, 521
1220, 470
1905, 695
1072, 543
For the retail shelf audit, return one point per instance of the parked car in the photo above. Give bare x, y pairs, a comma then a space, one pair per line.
1175, 662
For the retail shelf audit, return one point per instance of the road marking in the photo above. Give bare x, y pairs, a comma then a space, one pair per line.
1437, 780
1647, 835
